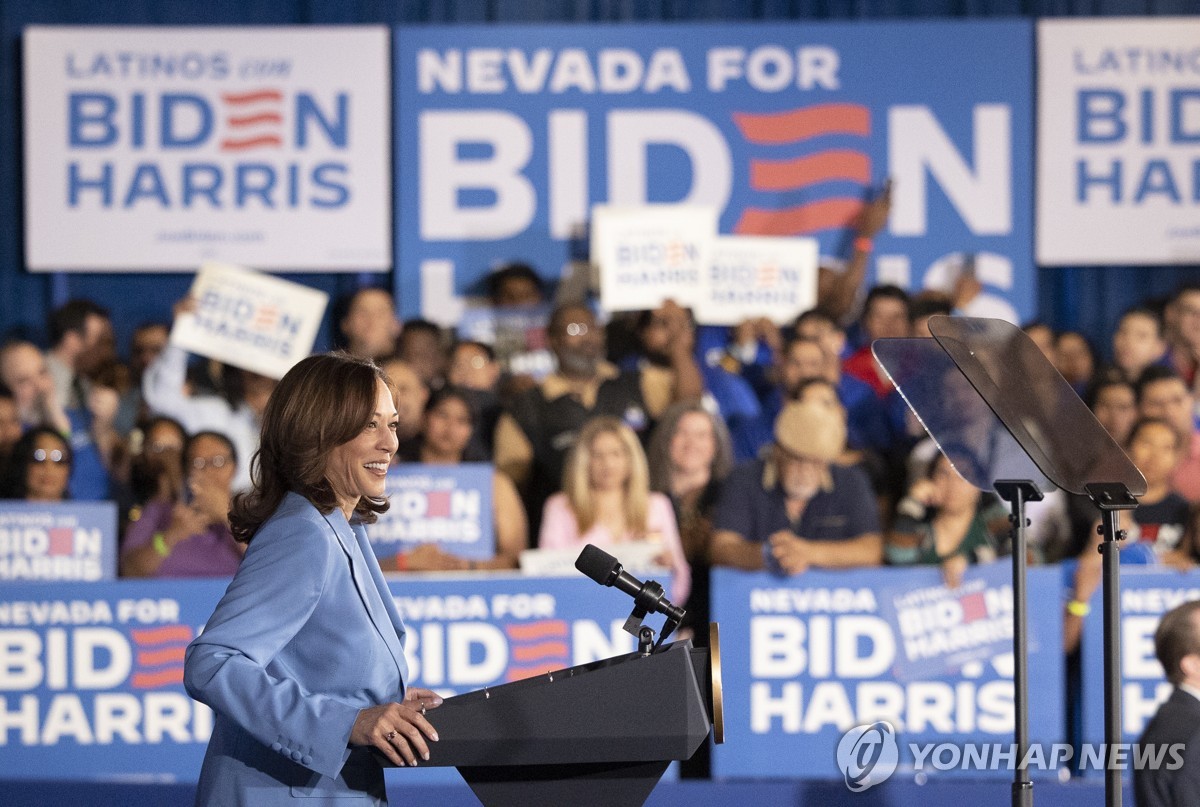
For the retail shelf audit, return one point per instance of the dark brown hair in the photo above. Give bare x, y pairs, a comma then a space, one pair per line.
322, 403
1177, 637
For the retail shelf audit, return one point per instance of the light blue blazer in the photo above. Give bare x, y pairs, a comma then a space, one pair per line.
305, 637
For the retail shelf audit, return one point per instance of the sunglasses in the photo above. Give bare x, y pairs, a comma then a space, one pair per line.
53, 455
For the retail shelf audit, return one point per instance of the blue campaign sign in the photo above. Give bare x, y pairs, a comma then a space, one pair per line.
1146, 594
805, 659
447, 505
942, 629
93, 672
514, 133
58, 541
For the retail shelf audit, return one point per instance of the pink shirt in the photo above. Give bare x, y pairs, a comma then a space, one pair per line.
560, 530
1185, 480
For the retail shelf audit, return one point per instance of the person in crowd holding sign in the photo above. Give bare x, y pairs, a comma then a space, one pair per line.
664, 336
534, 436
947, 521
303, 659
39, 467
235, 411
606, 501
1176, 725
189, 538
690, 455
797, 508
447, 440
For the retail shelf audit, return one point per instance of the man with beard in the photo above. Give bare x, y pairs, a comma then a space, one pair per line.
797, 508
539, 428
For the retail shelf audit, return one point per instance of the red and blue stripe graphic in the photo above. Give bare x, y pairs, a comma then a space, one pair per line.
159, 655
818, 174
253, 120
536, 648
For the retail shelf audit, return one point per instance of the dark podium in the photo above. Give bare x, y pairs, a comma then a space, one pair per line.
597, 734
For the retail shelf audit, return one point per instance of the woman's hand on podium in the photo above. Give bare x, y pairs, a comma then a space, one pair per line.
398, 730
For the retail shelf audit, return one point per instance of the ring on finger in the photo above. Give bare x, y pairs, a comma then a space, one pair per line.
422, 708
391, 735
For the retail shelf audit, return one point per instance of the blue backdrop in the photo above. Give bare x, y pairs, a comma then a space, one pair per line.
1074, 297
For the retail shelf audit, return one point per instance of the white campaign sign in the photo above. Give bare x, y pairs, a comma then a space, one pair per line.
753, 277
157, 148
250, 320
651, 254
1118, 157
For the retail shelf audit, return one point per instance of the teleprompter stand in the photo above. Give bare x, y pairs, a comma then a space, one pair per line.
1009, 422
595, 735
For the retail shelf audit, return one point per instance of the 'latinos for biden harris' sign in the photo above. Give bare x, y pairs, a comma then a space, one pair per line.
158, 148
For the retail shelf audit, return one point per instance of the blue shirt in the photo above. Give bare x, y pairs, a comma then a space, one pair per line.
755, 513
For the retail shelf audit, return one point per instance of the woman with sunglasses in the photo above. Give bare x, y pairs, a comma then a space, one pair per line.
190, 538
39, 467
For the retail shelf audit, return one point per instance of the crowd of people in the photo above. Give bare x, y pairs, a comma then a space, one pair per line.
777, 446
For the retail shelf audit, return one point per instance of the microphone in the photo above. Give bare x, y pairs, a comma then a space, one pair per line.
606, 570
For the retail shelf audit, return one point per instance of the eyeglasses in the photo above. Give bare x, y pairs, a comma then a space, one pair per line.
200, 463
161, 447
576, 329
53, 455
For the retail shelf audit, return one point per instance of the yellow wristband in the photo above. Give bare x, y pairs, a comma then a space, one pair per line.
160, 545
1078, 608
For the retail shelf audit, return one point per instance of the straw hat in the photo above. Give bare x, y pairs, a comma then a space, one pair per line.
812, 430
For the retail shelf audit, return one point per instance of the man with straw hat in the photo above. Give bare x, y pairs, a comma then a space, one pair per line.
796, 508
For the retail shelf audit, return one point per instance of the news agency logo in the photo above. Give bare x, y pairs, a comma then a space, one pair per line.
868, 755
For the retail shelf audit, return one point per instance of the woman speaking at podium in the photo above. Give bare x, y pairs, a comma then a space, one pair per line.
303, 658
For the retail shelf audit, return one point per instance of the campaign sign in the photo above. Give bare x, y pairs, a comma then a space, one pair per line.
63, 541
92, 673
447, 505
1146, 594
516, 334
158, 148
514, 133
648, 255
750, 277
943, 629
804, 659
1118, 128
250, 320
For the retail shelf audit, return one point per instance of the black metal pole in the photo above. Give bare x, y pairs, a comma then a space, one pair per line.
1111, 498
1110, 552
1016, 493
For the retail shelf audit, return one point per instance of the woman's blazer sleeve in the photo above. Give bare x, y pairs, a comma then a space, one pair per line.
273, 595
